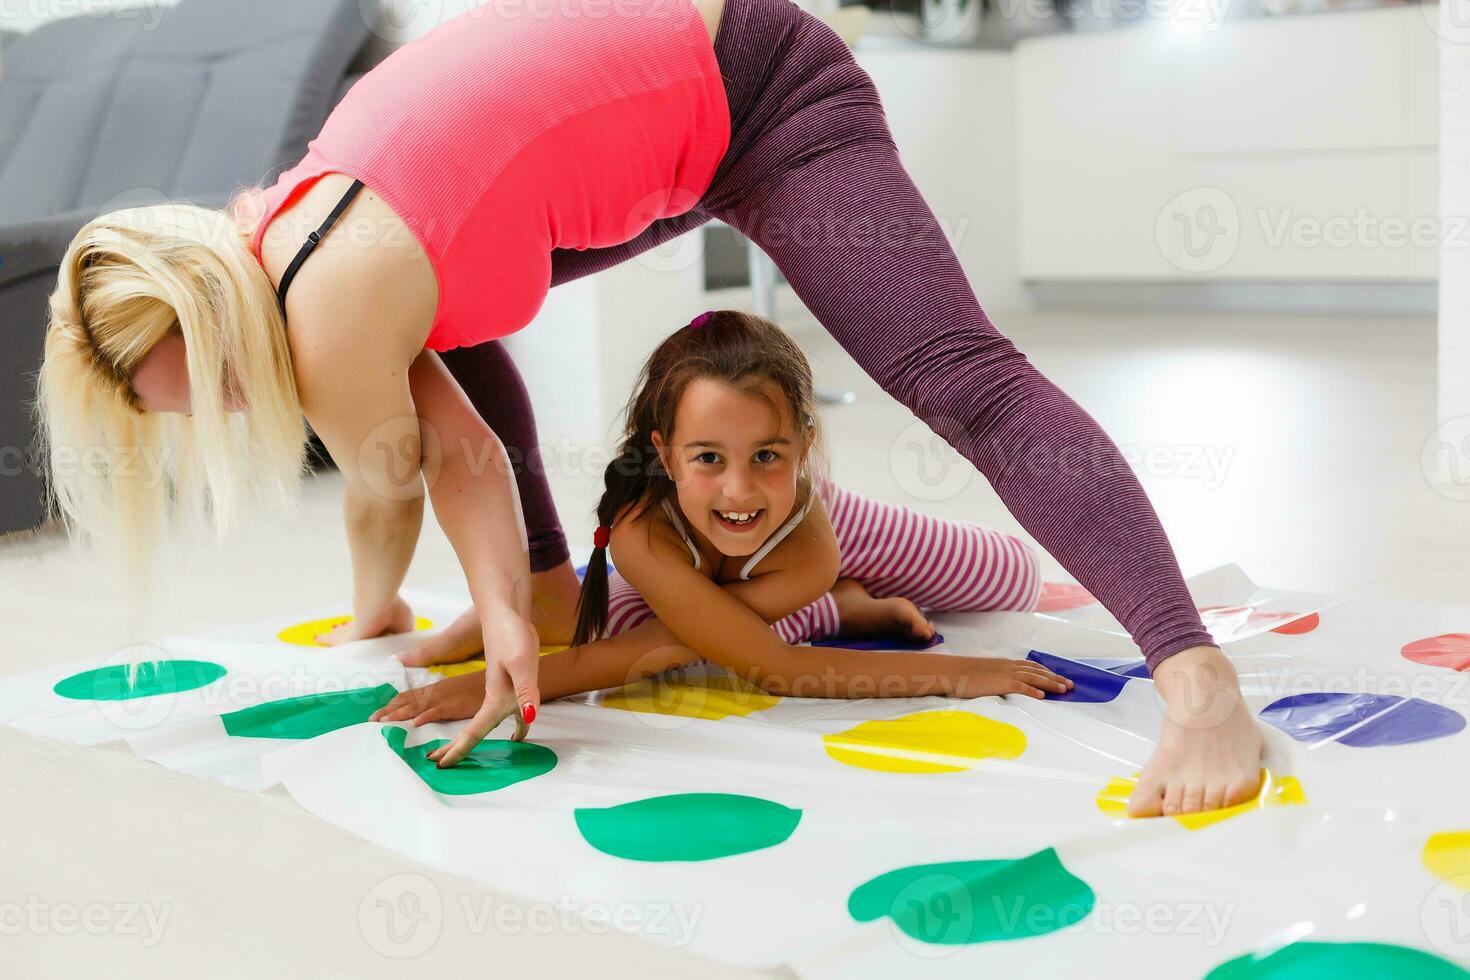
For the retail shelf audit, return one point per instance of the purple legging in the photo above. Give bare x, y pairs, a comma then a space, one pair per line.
813, 177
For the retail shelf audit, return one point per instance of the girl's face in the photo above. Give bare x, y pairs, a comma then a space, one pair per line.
734, 457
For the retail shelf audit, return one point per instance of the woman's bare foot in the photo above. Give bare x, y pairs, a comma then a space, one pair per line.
859, 614
1209, 753
397, 617
458, 641
554, 595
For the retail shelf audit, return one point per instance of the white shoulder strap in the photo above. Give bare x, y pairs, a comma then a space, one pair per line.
679, 526
777, 538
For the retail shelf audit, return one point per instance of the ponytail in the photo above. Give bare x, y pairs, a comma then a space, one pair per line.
627, 480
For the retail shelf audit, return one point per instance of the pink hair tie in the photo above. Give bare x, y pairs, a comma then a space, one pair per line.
701, 320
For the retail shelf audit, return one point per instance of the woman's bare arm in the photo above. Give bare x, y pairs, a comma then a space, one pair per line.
357, 398
389, 411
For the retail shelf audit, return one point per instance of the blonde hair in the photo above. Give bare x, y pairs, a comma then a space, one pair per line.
133, 480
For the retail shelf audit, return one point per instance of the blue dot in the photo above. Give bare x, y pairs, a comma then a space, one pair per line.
1361, 721
1091, 685
1127, 668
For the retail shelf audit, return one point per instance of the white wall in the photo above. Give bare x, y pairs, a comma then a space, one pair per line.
1451, 443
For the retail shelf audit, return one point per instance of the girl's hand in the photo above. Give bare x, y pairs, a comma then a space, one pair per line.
396, 617
447, 700
995, 675
513, 650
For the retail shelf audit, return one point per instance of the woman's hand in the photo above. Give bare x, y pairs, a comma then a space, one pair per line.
995, 675
513, 650
447, 700
396, 617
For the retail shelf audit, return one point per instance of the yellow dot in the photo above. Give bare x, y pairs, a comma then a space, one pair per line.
1275, 791
304, 634
1447, 855
713, 696
926, 741
478, 663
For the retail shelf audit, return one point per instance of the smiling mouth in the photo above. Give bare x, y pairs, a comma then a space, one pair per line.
738, 520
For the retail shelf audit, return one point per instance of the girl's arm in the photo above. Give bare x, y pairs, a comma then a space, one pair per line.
797, 572
644, 651
702, 616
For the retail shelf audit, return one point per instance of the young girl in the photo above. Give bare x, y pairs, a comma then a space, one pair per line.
729, 547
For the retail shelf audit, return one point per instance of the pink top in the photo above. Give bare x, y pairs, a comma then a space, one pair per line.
505, 133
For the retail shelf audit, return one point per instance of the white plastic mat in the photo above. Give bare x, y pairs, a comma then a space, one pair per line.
882, 837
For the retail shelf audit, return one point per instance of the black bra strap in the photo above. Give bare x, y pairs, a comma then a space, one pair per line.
311, 242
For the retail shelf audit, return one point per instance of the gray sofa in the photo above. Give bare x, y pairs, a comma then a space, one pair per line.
101, 112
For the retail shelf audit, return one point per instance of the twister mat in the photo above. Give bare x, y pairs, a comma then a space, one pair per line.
888, 836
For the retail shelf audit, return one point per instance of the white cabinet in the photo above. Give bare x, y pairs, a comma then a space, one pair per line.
1292, 149
1321, 82
1093, 132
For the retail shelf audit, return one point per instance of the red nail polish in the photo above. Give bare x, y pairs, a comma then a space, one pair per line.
528, 712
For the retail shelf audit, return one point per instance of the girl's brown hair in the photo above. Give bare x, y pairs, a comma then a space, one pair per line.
739, 349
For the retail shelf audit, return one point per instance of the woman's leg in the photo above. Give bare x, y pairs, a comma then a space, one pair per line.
830, 202
494, 386
939, 565
862, 249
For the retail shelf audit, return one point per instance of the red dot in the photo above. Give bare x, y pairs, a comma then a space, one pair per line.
1287, 622
1296, 627
1450, 650
1062, 595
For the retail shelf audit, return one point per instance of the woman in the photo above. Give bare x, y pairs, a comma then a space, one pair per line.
501, 154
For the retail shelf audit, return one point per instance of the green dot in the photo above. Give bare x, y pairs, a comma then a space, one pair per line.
959, 902
687, 826
493, 764
160, 677
1338, 961
309, 715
